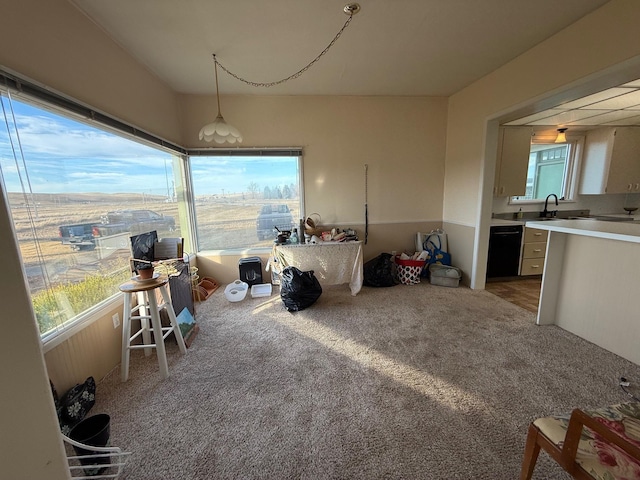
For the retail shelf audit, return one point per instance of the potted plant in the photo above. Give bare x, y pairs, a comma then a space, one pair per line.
145, 271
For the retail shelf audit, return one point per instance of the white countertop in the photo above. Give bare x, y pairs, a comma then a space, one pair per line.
623, 231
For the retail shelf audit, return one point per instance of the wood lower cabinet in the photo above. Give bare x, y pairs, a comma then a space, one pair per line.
533, 251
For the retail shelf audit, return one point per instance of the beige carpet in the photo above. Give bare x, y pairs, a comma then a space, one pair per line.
414, 382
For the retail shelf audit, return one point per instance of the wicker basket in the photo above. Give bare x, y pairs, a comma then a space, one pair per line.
312, 225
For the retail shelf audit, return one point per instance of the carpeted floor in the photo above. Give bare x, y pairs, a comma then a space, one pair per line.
412, 382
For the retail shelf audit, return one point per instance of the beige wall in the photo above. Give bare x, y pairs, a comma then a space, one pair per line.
598, 51
53, 43
402, 139
94, 351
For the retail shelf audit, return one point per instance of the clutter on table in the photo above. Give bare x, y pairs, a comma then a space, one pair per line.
316, 233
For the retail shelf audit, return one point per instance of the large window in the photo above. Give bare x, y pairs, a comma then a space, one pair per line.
242, 200
77, 192
551, 170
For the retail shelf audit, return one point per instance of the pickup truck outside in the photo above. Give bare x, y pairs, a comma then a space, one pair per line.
271, 216
82, 236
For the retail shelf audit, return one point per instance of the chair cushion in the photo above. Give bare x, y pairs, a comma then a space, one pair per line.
599, 458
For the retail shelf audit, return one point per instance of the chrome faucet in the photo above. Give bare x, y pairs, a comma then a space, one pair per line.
545, 213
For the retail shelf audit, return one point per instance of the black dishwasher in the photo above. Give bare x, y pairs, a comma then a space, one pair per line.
504, 251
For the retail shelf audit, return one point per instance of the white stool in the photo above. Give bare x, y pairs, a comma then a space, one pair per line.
148, 309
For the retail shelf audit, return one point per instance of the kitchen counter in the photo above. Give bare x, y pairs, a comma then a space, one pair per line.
591, 280
624, 231
497, 222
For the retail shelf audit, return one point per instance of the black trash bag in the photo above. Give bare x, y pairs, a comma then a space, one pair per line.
378, 272
298, 290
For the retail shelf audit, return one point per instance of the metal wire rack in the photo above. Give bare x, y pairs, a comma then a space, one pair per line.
96, 463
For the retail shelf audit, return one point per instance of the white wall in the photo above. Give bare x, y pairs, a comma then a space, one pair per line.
598, 51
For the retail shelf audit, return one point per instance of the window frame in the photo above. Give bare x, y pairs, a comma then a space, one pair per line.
241, 152
24, 91
572, 168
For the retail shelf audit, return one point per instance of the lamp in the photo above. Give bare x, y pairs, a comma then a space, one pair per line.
561, 138
219, 131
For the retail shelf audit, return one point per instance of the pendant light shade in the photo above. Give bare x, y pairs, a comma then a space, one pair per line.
219, 130
561, 138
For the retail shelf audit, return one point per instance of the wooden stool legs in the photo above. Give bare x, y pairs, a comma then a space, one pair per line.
148, 309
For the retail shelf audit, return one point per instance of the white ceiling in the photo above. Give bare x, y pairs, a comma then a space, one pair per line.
391, 47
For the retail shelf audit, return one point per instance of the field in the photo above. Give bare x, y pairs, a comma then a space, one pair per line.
221, 221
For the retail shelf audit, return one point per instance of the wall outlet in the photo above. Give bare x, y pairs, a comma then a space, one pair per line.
116, 320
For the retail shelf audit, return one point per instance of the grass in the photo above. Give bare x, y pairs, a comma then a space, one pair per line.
62, 302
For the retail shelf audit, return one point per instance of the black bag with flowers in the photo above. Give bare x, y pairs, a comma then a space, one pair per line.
75, 404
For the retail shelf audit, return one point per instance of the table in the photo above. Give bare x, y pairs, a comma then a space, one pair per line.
333, 263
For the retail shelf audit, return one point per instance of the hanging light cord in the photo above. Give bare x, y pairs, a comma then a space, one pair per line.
366, 203
299, 72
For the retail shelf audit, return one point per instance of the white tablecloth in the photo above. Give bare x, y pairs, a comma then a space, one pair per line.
333, 263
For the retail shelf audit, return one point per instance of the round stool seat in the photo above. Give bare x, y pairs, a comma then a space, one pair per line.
134, 286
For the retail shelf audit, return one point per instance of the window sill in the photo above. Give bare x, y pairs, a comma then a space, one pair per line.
235, 252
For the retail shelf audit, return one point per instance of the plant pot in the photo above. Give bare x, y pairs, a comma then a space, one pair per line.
92, 431
145, 273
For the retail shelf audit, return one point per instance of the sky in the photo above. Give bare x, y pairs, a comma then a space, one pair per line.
68, 156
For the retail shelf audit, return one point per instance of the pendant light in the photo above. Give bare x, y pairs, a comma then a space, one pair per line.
219, 131
561, 138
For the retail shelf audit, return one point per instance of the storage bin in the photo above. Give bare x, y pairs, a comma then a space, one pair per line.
444, 275
261, 290
408, 271
250, 270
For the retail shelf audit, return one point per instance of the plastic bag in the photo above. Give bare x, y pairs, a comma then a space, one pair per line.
298, 289
436, 253
378, 272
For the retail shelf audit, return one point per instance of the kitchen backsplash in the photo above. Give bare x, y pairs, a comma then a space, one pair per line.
595, 204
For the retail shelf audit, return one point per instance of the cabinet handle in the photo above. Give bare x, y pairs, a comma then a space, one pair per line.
637, 186
537, 249
537, 234
535, 266
501, 190
629, 187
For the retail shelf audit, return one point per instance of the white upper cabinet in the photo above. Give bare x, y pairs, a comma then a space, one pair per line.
611, 161
514, 144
